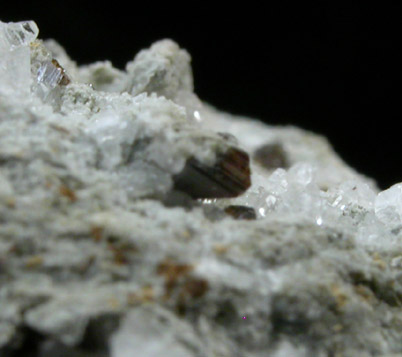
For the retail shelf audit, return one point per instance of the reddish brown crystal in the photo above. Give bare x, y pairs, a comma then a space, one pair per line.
64, 78
229, 177
241, 212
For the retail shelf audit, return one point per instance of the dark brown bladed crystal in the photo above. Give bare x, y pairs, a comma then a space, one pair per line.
229, 177
241, 212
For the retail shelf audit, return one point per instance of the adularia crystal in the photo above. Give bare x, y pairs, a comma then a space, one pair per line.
52, 74
15, 66
388, 205
18, 34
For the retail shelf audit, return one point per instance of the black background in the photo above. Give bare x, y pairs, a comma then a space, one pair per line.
335, 70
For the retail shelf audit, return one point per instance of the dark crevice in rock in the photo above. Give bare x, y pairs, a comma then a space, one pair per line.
95, 343
26, 343
383, 290
226, 314
99, 332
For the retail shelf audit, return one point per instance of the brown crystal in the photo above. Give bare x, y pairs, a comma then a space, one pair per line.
64, 78
271, 156
229, 177
241, 212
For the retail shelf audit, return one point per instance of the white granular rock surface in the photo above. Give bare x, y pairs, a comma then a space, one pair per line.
102, 255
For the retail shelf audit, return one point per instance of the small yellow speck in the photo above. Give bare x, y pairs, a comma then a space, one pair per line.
34, 261
337, 328
220, 248
114, 303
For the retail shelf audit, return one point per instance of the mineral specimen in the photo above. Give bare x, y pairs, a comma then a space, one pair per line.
133, 221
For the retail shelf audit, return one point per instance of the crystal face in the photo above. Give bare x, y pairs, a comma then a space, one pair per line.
19, 33
51, 74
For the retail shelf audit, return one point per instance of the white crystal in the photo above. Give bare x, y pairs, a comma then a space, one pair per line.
15, 67
388, 205
301, 173
18, 34
49, 74
277, 183
112, 131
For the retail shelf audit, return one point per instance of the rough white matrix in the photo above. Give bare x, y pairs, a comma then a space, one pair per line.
107, 247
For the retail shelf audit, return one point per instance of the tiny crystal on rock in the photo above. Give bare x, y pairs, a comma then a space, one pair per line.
241, 212
20, 33
229, 177
271, 156
388, 205
51, 74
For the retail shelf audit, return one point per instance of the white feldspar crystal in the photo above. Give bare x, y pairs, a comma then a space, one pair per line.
49, 74
98, 246
19, 33
388, 205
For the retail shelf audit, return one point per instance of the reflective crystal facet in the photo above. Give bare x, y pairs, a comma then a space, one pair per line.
51, 74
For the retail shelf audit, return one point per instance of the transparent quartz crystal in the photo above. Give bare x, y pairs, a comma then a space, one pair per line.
295, 191
290, 192
353, 192
19, 34
15, 66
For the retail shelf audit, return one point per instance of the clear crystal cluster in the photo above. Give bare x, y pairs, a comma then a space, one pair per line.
15, 39
136, 219
353, 205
